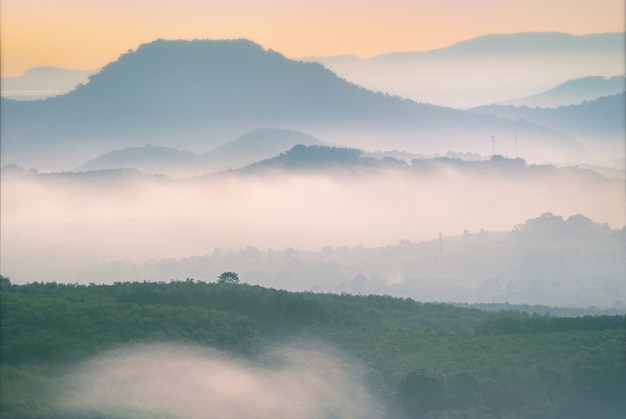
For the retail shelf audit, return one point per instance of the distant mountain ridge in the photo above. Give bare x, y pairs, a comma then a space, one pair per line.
341, 160
197, 95
43, 82
573, 92
599, 124
307, 158
488, 69
532, 42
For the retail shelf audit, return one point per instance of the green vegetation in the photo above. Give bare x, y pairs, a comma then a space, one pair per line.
423, 359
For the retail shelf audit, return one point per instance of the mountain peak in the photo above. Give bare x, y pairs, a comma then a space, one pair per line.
196, 95
163, 56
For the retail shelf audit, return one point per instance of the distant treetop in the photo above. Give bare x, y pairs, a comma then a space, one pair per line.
228, 278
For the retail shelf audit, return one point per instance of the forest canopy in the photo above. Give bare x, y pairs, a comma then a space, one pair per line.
423, 359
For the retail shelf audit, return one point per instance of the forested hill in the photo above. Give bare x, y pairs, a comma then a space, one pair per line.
229, 316
421, 359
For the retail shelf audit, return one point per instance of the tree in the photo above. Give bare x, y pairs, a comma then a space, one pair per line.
228, 278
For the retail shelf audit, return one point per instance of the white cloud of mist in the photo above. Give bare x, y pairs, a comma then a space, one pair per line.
56, 229
176, 381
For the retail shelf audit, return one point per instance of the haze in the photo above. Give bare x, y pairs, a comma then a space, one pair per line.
44, 33
257, 145
71, 223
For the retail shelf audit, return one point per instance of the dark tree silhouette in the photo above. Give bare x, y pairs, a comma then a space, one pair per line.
228, 278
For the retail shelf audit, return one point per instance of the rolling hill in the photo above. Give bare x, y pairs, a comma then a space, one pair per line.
197, 95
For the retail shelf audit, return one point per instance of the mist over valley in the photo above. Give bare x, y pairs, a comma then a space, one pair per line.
121, 224
181, 149
209, 228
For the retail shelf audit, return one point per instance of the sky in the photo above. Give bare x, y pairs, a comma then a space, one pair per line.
87, 34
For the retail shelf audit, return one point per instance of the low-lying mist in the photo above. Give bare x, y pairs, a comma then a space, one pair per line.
177, 381
55, 227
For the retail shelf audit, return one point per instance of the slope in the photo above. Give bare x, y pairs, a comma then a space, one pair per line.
42, 82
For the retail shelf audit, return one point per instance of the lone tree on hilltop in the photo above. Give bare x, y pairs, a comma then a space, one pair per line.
228, 278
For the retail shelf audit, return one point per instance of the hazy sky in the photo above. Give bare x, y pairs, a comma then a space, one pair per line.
87, 34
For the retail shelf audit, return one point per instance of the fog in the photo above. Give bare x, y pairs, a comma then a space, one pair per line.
58, 227
296, 380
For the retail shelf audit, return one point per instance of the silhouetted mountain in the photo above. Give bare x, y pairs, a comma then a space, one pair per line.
598, 124
530, 43
197, 95
487, 69
573, 92
302, 157
43, 82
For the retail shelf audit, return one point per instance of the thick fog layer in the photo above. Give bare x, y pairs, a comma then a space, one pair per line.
58, 227
175, 381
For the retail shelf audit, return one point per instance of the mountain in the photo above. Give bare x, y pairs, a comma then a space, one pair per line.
303, 158
311, 158
197, 95
251, 147
43, 82
487, 69
256, 145
147, 159
573, 92
600, 124
337, 160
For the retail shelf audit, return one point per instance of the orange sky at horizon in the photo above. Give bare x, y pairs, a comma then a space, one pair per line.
87, 34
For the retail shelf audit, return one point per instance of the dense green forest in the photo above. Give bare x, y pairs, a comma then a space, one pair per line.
422, 360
